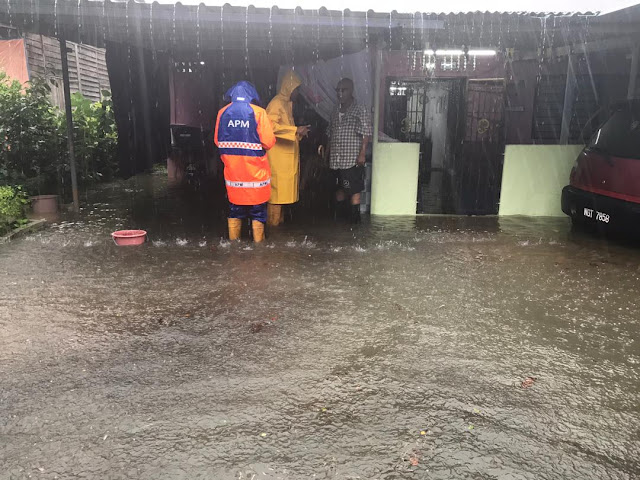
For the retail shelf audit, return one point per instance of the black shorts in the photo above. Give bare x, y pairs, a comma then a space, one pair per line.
351, 180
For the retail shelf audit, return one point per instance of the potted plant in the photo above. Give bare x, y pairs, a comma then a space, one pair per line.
42, 203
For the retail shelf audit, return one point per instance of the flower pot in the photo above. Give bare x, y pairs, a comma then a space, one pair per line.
43, 204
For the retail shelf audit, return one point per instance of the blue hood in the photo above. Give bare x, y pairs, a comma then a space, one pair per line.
242, 92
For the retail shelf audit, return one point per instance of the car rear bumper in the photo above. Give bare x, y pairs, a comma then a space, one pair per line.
607, 212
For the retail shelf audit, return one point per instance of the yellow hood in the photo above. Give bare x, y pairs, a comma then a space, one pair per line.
290, 82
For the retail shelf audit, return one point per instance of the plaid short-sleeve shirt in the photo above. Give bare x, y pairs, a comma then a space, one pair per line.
345, 135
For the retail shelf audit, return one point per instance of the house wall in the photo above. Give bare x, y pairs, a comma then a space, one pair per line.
520, 100
533, 174
13, 61
534, 105
607, 73
399, 63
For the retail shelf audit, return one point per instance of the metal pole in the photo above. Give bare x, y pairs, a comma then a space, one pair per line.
569, 94
67, 109
633, 74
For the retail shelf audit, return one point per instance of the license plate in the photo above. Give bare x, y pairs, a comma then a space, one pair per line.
596, 215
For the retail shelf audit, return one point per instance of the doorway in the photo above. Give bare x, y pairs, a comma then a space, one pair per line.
428, 112
459, 126
482, 148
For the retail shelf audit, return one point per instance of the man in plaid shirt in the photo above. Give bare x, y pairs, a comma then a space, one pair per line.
349, 133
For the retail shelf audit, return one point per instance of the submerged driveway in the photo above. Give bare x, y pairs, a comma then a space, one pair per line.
397, 349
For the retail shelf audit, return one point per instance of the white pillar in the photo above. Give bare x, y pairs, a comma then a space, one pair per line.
569, 96
376, 97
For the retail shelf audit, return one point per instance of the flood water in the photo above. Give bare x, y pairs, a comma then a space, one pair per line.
395, 349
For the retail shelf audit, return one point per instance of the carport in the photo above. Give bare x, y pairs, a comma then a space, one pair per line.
149, 46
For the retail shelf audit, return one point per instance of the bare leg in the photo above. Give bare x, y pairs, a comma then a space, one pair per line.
274, 214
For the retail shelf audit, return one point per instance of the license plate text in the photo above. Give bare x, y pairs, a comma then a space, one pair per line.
599, 216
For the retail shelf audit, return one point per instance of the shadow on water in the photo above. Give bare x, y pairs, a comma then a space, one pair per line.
392, 349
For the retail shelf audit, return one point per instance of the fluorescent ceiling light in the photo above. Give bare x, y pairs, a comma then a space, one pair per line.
482, 53
449, 52
474, 53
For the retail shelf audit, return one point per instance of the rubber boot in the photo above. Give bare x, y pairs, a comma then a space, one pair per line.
355, 213
235, 227
258, 231
273, 214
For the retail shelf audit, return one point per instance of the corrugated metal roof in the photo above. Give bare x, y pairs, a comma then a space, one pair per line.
410, 7
26, 7
179, 26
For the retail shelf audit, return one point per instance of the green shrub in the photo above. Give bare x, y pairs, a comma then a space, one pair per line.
12, 207
95, 138
33, 139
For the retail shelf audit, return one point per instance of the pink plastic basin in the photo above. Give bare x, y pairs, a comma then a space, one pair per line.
129, 237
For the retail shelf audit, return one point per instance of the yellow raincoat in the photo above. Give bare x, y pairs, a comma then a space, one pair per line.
284, 157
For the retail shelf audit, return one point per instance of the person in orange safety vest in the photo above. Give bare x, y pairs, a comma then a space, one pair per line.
243, 135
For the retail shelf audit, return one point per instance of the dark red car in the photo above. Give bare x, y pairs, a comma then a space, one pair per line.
604, 187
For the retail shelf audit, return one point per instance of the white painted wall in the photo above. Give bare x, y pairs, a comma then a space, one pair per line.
533, 177
394, 181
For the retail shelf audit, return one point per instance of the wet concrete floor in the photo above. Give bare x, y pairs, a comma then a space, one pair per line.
393, 350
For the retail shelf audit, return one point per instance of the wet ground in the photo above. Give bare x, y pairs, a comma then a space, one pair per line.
393, 350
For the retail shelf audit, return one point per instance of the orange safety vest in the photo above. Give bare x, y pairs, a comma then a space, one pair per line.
243, 135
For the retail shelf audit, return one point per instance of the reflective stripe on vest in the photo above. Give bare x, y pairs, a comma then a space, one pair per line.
248, 146
247, 184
